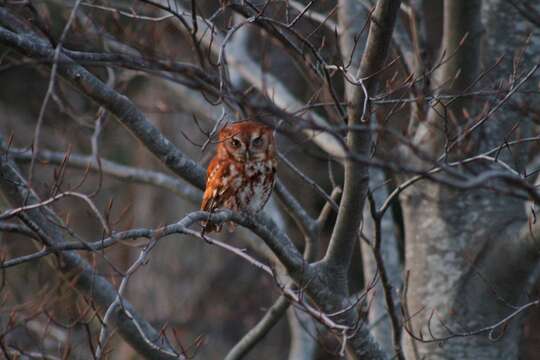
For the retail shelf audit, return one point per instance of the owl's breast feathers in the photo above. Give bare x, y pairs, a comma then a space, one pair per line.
234, 185
259, 182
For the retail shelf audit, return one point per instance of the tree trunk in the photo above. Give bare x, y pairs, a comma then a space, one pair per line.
465, 253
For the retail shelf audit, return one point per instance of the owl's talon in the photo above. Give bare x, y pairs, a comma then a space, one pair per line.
207, 240
203, 236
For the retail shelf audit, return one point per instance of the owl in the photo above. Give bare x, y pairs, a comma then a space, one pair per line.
241, 175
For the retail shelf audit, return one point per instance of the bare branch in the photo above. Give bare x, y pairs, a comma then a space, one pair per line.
356, 176
119, 105
12, 212
243, 64
77, 271
56, 56
461, 39
17, 229
490, 329
123, 172
267, 322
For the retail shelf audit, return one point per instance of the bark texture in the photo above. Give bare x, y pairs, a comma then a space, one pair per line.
467, 259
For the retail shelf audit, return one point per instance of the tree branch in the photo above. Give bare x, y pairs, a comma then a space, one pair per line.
252, 72
119, 105
457, 73
259, 331
315, 283
119, 171
355, 188
134, 329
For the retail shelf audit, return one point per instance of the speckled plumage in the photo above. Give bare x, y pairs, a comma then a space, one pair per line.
241, 174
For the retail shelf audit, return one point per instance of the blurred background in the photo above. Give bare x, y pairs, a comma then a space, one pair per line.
202, 295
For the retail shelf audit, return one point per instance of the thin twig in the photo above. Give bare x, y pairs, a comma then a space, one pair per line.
50, 87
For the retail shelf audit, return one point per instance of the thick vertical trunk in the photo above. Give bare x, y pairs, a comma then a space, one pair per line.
462, 256
466, 258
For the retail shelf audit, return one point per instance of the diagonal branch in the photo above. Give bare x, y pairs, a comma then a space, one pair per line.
272, 316
119, 105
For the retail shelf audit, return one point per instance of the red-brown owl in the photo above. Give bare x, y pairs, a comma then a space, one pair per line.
241, 174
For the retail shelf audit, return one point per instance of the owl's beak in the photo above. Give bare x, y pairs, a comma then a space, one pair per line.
248, 155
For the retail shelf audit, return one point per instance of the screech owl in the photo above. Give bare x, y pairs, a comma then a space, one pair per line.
241, 175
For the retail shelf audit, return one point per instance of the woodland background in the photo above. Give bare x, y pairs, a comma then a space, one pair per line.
444, 264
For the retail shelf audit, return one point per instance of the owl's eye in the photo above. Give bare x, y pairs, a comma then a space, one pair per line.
257, 141
235, 143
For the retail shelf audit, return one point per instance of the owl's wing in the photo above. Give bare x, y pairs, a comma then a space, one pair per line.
218, 192
217, 169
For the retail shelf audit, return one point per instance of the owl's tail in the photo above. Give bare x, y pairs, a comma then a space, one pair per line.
208, 226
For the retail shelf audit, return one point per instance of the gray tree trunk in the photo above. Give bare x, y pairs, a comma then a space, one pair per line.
465, 252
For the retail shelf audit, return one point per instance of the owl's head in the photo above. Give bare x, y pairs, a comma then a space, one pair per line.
246, 141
